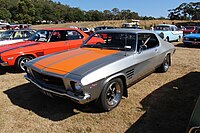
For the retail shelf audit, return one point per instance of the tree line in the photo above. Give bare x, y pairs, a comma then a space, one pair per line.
185, 11
36, 11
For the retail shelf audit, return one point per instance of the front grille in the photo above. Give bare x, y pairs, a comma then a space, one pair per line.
194, 39
50, 82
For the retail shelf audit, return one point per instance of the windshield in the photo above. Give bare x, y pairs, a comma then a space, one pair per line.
162, 28
117, 41
41, 36
6, 35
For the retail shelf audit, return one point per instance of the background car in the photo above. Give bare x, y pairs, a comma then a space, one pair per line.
43, 42
169, 32
101, 71
192, 39
14, 36
103, 28
86, 30
189, 29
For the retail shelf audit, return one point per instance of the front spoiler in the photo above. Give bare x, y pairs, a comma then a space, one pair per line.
80, 100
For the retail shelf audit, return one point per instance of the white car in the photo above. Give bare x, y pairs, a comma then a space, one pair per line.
169, 32
14, 36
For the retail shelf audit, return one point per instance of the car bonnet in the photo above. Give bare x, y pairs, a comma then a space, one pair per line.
9, 47
193, 35
77, 61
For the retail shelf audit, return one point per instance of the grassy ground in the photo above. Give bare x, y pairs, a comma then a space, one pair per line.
160, 103
117, 23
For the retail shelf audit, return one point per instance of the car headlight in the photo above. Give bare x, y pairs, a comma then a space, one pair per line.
186, 39
77, 87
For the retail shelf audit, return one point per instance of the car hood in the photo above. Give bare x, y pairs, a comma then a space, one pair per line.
193, 35
6, 42
9, 47
79, 62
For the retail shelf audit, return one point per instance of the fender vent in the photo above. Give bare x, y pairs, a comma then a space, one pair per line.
130, 73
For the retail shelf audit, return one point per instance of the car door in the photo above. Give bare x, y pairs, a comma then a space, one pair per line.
146, 56
57, 42
74, 38
176, 33
63, 40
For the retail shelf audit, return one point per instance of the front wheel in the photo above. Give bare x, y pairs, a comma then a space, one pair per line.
111, 94
21, 61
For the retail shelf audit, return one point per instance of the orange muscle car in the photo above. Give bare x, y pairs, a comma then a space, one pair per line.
43, 42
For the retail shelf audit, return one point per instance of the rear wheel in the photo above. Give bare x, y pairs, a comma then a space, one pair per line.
21, 61
111, 94
179, 38
167, 39
165, 65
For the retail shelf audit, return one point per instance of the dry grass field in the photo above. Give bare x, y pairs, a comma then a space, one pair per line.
116, 23
160, 103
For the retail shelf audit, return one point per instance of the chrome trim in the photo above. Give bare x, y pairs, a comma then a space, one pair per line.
3, 63
70, 95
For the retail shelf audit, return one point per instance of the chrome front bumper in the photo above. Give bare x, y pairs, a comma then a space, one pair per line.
3, 63
82, 100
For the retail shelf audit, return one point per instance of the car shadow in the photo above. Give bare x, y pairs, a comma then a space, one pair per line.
4, 70
168, 108
190, 46
29, 97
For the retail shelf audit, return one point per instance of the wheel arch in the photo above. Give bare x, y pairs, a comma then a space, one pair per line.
169, 54
31, 55
123, 78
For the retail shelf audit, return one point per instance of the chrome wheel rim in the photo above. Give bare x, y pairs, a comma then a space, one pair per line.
22, 62
113, 94
166, 64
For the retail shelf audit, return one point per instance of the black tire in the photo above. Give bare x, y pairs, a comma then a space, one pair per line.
111, 94
19, 65
165, 65
167, 39
179, 38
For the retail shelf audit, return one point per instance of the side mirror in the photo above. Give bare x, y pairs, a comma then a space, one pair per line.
142, 48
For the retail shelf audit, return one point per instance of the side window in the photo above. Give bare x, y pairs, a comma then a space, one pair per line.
147, 41
73, 35
58, 36
17, 35
131, 41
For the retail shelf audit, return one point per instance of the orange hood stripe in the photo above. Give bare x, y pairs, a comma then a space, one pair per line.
58, 64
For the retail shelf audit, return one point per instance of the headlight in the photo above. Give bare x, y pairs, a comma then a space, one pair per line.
77, 87
186, 39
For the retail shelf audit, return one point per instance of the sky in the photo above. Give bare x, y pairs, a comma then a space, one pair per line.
154, 8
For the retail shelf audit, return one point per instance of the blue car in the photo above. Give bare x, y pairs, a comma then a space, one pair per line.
192, 39
169, 32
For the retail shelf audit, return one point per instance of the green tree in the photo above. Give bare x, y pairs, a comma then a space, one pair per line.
5, 14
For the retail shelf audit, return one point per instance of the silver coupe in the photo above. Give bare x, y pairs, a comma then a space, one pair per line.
101, 71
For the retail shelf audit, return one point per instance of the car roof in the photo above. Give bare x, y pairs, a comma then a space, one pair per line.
165, 25
59, 29
125, 30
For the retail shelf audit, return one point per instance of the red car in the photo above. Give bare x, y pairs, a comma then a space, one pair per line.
189, 29
43, 42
